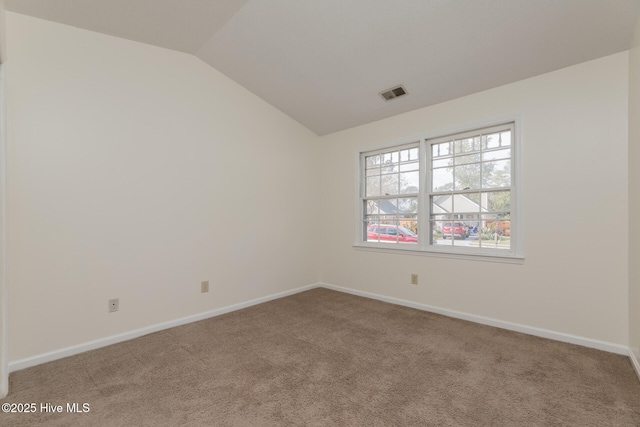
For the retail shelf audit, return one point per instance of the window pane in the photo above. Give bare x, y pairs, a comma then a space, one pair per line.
505, 139
454, 230
407, 230
495, 234
413, 154
388, 219
493, 140
388, 206
372, 186
371, 207
463, 146
442, 179
409, 182
408, 205
462, 203
442, 149
388, 168
472, 158
442, 163
496, 201
404, 155
389, 184
373, 171
371, 233
475, 198
441, 217
392, 229
504, 227
372, 161
496, 174
411, 224
467, 177
476, 143
437, 236
496, 155
413, 166
451, 230
370, 228
442, 204
462, 234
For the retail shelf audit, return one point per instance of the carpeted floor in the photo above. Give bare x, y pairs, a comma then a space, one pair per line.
324, 358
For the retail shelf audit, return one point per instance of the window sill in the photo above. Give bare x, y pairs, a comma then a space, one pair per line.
485, 257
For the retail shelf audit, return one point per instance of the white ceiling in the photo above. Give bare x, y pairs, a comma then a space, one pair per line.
324, 62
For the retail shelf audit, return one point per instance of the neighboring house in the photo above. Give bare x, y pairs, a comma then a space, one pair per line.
389, 213
469, 211
466, 210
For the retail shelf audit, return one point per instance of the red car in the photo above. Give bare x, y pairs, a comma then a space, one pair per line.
460, 230
390, 233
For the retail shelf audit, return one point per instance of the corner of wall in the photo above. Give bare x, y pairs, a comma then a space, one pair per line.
634, 199
3, 33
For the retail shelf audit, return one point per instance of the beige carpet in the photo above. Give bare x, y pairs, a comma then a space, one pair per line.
324, 358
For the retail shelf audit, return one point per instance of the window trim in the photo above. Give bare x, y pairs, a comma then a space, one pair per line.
423, 248
363, 178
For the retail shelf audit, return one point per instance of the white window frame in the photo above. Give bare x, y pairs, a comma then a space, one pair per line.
363, 177
423, 247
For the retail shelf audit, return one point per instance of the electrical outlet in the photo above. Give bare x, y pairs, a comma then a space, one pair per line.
414, 279
114, 305
204, 286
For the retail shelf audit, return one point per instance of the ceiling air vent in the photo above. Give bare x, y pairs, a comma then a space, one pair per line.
393, 92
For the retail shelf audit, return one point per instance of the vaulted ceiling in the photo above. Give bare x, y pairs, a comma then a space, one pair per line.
325, 62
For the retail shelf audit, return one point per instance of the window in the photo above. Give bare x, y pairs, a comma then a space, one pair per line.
391, 186
449, 195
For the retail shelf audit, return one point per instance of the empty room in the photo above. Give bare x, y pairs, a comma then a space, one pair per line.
340, 213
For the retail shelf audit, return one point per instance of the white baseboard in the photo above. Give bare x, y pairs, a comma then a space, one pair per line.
531, 330
114, 339
634, 361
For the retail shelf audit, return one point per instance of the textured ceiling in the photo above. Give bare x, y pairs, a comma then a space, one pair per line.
324, 62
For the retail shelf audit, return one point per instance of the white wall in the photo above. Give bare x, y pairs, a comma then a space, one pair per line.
574, 277
634, 193
4, 330
136, 172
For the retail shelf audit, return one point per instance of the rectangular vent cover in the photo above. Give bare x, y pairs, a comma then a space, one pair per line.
393, 92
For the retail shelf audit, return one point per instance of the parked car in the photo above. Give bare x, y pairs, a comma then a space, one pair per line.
391, 233
460, 230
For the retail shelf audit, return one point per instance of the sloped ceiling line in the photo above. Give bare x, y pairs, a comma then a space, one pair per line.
325, 62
